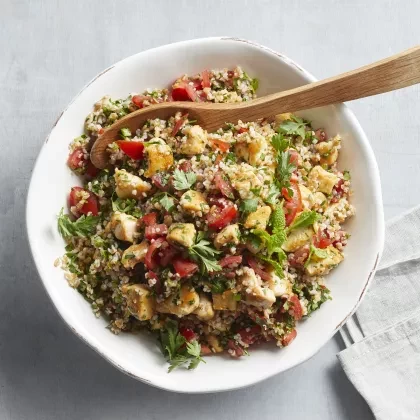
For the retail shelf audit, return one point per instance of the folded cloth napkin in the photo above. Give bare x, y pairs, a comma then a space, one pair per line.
382, 358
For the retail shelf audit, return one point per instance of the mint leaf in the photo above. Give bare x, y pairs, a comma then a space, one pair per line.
306, 218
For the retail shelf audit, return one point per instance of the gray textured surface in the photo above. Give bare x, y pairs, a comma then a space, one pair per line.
48, 51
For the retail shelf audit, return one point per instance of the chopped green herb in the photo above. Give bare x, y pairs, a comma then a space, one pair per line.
203, 253
346, 176
125, 132
83, 226
306, 218
248, 206
296, 127
184, 180
128, 206
254, 84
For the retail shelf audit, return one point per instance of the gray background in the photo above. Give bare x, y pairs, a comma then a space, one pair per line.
48, 51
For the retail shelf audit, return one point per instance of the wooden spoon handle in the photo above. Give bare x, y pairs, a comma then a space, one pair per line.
396, 72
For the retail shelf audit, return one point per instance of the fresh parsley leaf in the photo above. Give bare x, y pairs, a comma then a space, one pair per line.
284, 170
296, 127
306, 218
346, 176
125, 132
230, 157
166, 201
84, 226
280, 143
273, 194
204, 254
218, 286
184, 180
248, 206
177, 350
128, 206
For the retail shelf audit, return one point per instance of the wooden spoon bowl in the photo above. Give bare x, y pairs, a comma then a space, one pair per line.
392, 73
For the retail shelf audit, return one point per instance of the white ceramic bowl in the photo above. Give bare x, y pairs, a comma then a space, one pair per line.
137, 355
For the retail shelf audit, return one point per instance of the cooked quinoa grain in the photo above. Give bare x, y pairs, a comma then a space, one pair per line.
214, 241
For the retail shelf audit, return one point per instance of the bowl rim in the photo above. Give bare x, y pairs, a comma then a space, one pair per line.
380, 224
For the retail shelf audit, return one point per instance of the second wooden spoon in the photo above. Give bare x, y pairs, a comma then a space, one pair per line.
392, 73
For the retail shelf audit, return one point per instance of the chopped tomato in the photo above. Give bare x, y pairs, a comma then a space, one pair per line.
223, 185
158, 284
230, 73
183, 91
253, 263
76, 159
235, 349
288, 338
179, 124
250, 335
184, 267
320, 134
149, 219
338, 191
218, 159
293, 204
166, 255
101, 131
299, 257
294, 157
138, 100
91, 170
219, 217
133, 149
205, 350
205, 76
231, 261
91, 205
242, 130
221, 145
187, 333
160, 181
296, 308
154, 231
185, 166
321, 239
150, 259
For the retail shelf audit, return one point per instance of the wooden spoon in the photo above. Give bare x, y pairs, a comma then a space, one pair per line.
392, 73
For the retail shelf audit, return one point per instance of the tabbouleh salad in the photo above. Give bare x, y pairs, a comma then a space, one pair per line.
214, 241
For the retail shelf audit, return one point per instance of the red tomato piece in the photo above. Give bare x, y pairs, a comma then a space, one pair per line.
230, 73
242, 130
322, 239
101, 131
187, 333
205, 350
91, 170
179, 124
219, 217
160, 181
296, 308
149, 219
185, 166
166, 255
158, 284
138, 100
321, 135
293, 204
288, 338
183, 91
338, 191
205, 76
253, 263
223, 185
235, 349
154, 231
133, 149
221, 145
76, 159
299, 257
150, 259
91, 205
231, 261
294, 157
184, 267
250, 335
